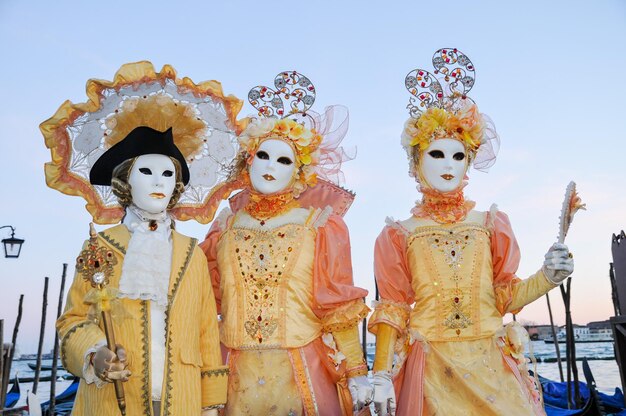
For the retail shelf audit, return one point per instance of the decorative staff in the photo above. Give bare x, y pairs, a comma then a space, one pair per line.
95, 264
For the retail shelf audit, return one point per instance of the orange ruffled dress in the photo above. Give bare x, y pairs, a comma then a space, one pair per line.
280, 287
444, 289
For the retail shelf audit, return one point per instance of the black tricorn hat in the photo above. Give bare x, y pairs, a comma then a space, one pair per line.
142, 140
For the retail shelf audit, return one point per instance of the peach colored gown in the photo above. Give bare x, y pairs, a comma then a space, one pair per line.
445, 288
280, 287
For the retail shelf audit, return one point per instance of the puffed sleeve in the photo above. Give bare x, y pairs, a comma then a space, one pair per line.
336, 301
209, 247
76, 331
511, 293
393, 280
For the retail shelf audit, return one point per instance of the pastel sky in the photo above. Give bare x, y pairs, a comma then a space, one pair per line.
550, 75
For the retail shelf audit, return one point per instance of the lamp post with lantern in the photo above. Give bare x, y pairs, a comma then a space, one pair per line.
12, 245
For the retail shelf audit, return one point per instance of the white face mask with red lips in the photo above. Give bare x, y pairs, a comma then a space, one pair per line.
443, 165
273, 167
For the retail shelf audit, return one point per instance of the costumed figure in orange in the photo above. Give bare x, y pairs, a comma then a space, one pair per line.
280, 263
447, 275
146, 149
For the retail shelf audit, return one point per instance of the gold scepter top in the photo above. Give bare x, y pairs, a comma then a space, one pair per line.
95, 263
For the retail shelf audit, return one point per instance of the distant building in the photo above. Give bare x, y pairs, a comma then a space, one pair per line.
600, 327
540, 332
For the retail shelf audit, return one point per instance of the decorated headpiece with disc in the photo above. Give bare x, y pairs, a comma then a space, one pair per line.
440, 108
194, 123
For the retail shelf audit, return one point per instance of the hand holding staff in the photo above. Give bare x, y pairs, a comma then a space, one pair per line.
96, 266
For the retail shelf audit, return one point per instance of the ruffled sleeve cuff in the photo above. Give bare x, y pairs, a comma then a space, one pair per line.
345, 317
504, 296
214, 386
394, 314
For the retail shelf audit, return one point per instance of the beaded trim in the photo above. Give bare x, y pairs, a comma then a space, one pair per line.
67, 337
216, 372
112, 242
171, 297
146, 395
357, 371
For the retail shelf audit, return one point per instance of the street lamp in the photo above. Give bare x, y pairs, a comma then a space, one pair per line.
12, 246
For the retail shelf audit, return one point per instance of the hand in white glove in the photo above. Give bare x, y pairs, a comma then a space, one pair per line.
384, 395
362, 392
209, 412
558, 263
110, 366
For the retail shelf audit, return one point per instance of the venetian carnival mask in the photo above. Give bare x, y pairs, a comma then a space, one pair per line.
273, 167
443, 164
152, 180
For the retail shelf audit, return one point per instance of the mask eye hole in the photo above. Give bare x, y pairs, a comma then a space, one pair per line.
459, 156
262, 155
168, 173
436, 154
145, 171
285, 160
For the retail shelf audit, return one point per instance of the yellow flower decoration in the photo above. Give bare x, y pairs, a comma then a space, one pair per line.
465, 125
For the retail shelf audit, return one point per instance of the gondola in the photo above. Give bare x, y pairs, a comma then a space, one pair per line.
13, 395
64, 402
596, 403
44, 367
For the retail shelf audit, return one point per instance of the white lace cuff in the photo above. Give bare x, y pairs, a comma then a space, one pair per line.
89, 373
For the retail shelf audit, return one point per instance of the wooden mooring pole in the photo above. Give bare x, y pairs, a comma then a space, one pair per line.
55, 352
556, 340
6, 374
42, 330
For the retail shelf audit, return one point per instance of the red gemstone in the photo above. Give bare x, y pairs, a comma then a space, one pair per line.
456, 300
421, 72
423, 84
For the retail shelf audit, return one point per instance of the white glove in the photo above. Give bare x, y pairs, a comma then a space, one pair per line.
110, 366
209, 412
362, 392
558, 263
384, 395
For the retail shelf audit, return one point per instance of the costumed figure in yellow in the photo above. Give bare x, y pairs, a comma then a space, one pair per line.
139, 151
280, 264
447, 274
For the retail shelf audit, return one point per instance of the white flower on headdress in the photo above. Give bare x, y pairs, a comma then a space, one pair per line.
213, 114
130, 104
89, 137
202, 172
219, 145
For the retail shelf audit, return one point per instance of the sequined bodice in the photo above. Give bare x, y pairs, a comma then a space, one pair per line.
263, 274
452, 276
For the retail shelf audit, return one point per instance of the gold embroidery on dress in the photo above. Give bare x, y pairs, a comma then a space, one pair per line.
451, 245
262, 258
457, 319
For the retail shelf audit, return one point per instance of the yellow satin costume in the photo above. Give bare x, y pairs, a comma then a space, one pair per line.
444, 289
194, 375
280, 286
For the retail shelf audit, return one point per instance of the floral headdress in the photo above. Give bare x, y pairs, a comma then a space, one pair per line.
440, 108
203, 122
284, 113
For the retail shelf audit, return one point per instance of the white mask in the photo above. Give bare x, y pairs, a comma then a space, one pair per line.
273, 167
152, 181
443, 164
